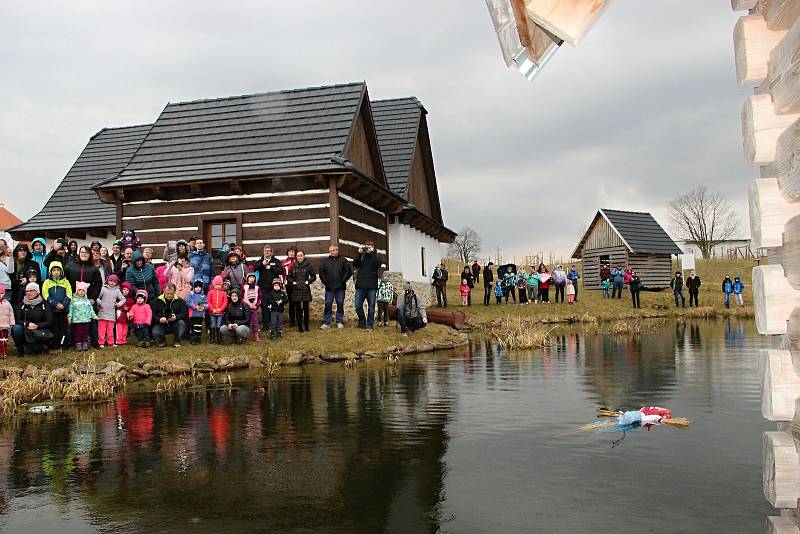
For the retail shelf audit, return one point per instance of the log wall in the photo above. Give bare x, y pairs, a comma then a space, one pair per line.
303, 218
591, 263
767, 49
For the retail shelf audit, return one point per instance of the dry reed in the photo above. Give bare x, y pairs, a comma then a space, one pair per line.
519, 334
17, 391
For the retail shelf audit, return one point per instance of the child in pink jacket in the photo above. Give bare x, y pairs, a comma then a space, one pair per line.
464, 289
6, 321
141, 315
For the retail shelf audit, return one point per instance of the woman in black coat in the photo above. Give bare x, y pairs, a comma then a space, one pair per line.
23, 264
33, 318
301, 276
84, 270
466, 274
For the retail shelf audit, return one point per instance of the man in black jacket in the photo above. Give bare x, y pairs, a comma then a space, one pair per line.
169, 316
268, 268
440, 278
488, 283
693, 285
367, 263
334, 273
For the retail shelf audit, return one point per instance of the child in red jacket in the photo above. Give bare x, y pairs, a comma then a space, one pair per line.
142, 316
217, 304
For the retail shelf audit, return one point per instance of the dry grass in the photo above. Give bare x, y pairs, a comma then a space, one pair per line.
519, 334
17, 391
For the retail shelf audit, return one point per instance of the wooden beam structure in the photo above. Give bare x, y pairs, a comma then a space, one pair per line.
782, 14
569, 20
753, 42
781, 469
769, 213
741, 5
784, 78
761, 128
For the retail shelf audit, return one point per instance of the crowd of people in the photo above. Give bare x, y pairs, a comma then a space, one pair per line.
532, 286
526, 285
63, 295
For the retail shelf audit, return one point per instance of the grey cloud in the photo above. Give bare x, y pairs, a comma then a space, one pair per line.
644, 109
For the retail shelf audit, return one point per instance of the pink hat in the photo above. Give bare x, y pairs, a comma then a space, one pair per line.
81, 285
216, 281
112, 278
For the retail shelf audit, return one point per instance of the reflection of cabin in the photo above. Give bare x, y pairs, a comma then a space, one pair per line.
301, 167
626, 238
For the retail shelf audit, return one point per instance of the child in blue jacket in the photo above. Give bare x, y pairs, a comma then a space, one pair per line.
738, 289
197, 304
727, 289
498, 291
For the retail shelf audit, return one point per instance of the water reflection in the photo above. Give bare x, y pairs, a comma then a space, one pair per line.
461, 442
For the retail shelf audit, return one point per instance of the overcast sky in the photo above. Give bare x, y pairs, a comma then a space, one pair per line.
646, 108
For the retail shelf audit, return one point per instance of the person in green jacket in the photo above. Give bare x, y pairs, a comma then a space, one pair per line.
81, 313
57, 291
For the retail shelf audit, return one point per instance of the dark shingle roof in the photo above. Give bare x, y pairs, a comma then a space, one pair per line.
107, 153
641, 232
262, 134
397, 125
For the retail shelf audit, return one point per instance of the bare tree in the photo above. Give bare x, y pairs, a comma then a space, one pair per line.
467, 245
703, 218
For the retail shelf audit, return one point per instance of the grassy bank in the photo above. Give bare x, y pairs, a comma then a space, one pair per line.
591, 305
314, 343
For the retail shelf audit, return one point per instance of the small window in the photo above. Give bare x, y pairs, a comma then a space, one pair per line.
219, 233
422, 253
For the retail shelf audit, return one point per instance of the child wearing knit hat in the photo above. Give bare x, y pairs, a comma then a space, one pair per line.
109, 303
6, 320
141, 315
81, 313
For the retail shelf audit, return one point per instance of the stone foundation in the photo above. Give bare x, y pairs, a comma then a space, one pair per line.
424, 290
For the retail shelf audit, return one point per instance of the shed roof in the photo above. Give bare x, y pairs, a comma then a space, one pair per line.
640, 232
107, 153
7, 219
397, 124
291, 131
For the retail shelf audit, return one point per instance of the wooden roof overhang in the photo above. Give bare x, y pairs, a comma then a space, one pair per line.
413, 217
349, 181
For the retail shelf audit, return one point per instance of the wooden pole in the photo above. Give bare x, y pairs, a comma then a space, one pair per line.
333, 196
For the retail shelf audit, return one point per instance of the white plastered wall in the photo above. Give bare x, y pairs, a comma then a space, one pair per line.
405, 252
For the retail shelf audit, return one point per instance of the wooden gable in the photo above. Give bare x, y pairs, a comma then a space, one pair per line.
602, 236
362, 144
422, 191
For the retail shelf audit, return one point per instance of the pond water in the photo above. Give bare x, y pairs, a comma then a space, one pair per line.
469, 441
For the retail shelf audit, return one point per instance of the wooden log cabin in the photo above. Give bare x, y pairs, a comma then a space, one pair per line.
626, 238
305, 167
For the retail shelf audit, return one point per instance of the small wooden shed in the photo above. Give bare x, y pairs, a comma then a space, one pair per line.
626, 238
